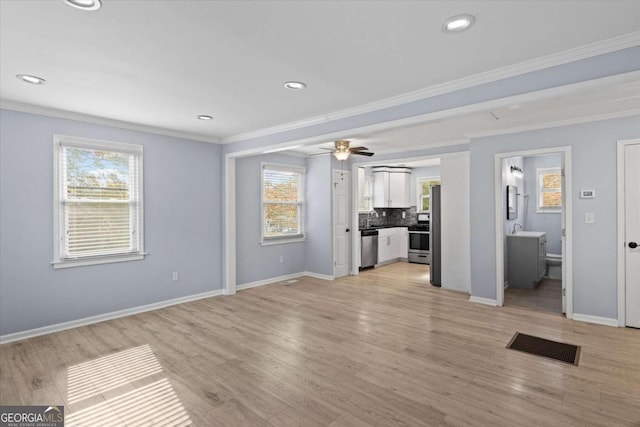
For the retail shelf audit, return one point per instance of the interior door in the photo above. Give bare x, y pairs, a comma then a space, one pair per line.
340, 224
632, 233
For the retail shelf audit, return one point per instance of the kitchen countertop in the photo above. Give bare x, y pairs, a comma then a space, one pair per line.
378, 227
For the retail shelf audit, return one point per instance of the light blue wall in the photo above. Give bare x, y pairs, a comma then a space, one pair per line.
182, 195
550, 223
253, 261
319, 244
594, 245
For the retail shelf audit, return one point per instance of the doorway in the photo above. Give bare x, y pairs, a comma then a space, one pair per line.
533, 243
629, 233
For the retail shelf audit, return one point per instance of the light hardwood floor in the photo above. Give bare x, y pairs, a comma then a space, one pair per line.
381, 349
547, 296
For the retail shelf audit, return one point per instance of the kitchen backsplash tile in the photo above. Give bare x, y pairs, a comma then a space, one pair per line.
393, 217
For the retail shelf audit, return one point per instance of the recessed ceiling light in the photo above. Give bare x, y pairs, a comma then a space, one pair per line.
205, 117
84, 4
295, 85
34, 80
458, 23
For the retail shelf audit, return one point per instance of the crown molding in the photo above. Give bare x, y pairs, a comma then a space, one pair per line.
86, 118
564, 57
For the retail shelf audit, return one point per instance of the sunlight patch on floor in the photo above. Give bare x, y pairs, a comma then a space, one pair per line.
155, 404
96, 376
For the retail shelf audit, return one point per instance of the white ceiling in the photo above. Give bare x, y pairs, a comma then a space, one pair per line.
160, 63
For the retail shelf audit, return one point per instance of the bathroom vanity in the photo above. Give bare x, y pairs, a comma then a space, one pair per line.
526, 265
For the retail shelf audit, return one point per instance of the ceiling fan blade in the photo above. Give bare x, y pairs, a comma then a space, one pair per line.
363, 153
318, 154
325, 148
359, 149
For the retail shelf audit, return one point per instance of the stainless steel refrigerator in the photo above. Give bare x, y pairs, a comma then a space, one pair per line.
435, 236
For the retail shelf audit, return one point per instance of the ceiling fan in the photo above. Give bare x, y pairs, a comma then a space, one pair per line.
342, 150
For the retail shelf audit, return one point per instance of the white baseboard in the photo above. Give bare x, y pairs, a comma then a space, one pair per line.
318, 275
596, 319
268, 281
484, 301
282, 279
16, 336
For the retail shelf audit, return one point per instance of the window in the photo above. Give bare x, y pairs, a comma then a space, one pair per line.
423, 184
549, 190
282, 204
97, 202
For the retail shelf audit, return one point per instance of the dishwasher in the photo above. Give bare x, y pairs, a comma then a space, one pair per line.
368, 248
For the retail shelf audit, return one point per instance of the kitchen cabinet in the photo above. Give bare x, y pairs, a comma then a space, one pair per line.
391, 187
526, 252
403, 235
392, 244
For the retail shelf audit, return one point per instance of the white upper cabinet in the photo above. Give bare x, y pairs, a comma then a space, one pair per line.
391, 187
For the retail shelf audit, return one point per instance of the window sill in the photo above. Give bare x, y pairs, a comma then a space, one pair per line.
96, 261
281, 241
546, 211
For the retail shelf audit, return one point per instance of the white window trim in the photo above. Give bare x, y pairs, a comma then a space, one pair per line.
268, 241
419, 181
539, 173
58, 261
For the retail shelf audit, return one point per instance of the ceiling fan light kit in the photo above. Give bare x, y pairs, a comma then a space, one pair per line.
343, 151
341, 155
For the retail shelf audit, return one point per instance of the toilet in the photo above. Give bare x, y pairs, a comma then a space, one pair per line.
554, 266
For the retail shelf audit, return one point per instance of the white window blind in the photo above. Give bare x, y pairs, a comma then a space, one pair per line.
99, 200
282, 202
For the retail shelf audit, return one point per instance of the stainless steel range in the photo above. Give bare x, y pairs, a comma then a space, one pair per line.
419, 251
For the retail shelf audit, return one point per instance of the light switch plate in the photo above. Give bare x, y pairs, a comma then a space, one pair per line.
589, 218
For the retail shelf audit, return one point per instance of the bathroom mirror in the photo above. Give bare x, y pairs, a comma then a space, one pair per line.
512, 202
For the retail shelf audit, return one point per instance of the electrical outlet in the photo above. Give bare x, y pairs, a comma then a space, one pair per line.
404, 214
281, 259
174, 276
384, 213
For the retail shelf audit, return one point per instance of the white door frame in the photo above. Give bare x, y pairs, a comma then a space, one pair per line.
567, 255
333, 223
622, 307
